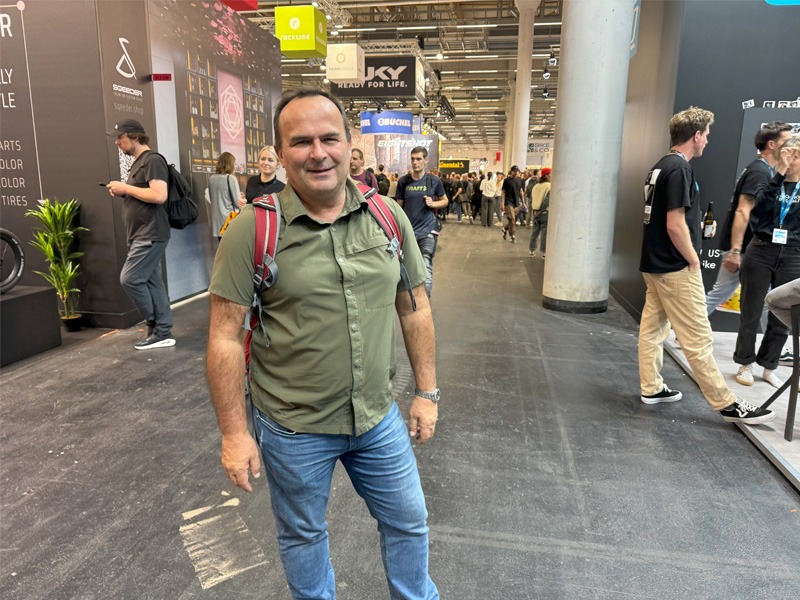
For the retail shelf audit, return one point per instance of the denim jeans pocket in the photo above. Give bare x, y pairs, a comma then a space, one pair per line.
273, 427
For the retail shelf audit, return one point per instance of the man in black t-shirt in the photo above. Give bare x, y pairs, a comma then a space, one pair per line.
735, 233
670, 265
420, 193
510, 199
145, 218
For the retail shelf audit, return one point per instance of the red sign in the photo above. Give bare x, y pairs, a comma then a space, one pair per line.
498, 157
161, 77
242, 4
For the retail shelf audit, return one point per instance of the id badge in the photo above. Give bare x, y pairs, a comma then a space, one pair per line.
780, 236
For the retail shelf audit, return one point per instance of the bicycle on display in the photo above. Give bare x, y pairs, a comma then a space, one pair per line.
12, 260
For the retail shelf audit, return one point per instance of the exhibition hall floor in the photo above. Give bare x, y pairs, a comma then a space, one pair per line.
548, 478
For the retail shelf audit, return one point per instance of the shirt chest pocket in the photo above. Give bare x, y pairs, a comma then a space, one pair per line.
375, 271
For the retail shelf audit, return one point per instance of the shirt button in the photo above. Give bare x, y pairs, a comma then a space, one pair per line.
341, 260
354, 327
349, 292
357, 364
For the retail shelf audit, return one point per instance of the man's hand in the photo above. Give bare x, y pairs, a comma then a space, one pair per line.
239, 458
422, 419
428, 201
116, 188
785, 159
732, 261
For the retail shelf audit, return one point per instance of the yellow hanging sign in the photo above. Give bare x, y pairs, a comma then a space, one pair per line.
302, 30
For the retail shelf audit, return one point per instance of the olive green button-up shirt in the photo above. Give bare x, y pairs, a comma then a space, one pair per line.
330, 315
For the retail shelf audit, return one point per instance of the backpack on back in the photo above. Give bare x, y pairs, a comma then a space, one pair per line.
180, 206
383, 183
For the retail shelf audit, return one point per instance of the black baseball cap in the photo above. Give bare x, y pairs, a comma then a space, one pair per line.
126, 126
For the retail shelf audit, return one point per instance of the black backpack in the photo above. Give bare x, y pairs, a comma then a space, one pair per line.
383, 183
180, 206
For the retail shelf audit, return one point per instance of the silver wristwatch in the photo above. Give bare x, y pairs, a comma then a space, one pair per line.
432, 396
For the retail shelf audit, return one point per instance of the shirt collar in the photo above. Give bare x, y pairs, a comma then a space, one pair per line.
292, 208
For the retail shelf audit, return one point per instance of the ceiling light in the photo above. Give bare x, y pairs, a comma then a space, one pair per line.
545, 74
545, 93
484, 56
478, 26
417, 28
552, 61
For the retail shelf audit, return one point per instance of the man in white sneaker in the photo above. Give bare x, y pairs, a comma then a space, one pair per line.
670, 266
143, 197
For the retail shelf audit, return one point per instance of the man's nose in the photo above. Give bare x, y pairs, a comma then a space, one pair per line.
318, 150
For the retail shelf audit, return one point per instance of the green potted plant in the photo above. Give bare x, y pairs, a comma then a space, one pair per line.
56, 239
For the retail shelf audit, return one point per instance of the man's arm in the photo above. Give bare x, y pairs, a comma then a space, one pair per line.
741, 220
420, 343
155, 193
225, 365
679, 234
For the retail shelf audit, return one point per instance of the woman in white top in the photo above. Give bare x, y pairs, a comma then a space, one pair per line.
223, 193
488, 190
392, 185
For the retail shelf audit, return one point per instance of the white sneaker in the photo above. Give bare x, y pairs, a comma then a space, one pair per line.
772, 378
745, 375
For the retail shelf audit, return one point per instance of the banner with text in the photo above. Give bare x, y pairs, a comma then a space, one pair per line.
386, 77
388, 121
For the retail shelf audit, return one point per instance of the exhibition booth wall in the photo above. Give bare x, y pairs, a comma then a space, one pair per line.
694, 53
75, 69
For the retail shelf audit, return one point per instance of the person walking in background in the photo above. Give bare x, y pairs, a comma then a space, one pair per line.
266, 182
670, 266
223, 193
321, 386
498, 184
488, 190
148, 232
511, 198
772, 259
465, 197
420, 194
392, 185
540, 207
358, 172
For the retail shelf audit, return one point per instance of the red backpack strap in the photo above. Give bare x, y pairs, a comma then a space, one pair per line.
380, 212
265, 275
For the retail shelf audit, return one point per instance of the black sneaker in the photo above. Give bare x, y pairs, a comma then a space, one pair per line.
787, 357
151, 329
742, 412
154, 341
505, 233
665, 395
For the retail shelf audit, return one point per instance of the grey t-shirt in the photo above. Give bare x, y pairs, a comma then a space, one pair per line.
145, 221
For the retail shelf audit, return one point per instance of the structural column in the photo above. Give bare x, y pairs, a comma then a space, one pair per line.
522, 88
592, 86
509, 141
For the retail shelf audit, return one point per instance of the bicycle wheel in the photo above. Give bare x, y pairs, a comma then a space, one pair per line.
12, 260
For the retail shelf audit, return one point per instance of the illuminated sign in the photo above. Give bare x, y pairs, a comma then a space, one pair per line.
302, 30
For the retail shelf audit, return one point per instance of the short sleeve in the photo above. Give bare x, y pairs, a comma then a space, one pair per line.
232, 274
754, 181
156, 169
439, 188
678, 189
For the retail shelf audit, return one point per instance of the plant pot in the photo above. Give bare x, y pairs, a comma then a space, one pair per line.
74, 323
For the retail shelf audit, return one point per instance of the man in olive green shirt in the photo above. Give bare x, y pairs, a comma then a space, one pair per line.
321, 389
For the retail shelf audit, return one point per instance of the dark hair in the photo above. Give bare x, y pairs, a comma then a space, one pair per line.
683, 125
380, 168
305, 93
419, 150
141, 138
226, 163
359, 152
769, 132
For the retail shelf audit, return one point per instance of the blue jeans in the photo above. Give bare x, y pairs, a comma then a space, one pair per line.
142, 280
427, 246
383, 470
498, 213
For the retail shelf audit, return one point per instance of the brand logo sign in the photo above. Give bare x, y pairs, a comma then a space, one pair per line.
386, 122
302, 30
385, 76
345, 63
125, 65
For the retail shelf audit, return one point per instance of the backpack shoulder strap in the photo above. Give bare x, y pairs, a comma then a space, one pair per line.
383, 216
265, 275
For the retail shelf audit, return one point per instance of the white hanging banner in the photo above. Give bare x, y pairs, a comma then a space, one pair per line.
345, 63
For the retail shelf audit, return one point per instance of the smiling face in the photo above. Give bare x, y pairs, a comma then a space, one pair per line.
314, 151
267, 163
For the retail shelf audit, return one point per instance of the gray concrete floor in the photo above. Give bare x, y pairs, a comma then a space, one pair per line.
548, 477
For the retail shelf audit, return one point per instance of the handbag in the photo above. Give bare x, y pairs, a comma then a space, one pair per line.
231, 215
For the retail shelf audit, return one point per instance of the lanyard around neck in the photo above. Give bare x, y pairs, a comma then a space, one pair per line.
787, 201
769, 166
679, 153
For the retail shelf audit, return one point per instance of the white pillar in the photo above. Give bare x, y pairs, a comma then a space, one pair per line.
508, 145
593, 76
522, 89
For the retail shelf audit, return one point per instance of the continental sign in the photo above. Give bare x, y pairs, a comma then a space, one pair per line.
453, 164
